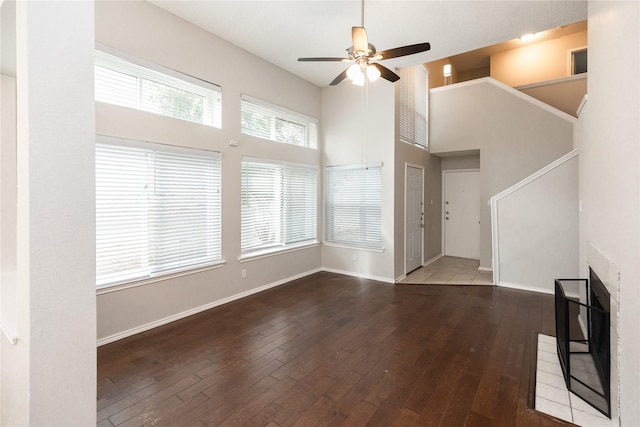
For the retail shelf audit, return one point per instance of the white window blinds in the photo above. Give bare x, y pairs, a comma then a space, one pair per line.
414, 105
157, 90
353, 208
157, 209
279, 205
263, 120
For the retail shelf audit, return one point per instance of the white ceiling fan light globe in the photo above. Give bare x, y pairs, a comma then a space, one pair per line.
359, 80
373, 73
354, 72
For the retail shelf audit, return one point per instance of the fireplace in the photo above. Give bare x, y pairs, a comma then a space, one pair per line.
582, 332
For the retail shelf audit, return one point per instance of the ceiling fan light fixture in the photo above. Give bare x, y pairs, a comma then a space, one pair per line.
359, 80
354, 72
373, 73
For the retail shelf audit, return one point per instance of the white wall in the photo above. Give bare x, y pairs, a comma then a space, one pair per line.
609, 174
537, 233
516, 135
49, 375
145, 31
358, 127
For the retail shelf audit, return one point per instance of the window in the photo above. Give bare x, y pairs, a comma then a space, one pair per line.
414, 105
354, 205
579, 61
261, 119
158, 90
279, 205
157, 209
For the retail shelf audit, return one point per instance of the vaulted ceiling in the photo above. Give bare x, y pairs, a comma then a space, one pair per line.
282, 31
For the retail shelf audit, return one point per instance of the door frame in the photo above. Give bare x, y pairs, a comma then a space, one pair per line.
444, 207
407, 165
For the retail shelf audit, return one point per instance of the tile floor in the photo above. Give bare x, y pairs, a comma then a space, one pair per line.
552, 396
450, 271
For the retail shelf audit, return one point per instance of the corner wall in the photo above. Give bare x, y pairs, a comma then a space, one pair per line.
133, 28
358, 127
516, 135
609, 140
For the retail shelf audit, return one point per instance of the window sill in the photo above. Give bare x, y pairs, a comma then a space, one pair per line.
105, 289
272, 252
347, 246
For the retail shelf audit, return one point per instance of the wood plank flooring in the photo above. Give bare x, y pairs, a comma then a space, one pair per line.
334, 350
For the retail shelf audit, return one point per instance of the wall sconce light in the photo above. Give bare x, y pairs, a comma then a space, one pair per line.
446, 71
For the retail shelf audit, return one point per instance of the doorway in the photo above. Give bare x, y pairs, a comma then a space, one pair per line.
414, 217
461, 213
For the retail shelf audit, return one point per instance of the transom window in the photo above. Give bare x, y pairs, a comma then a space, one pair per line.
414, 105
279, 205
158, 209
268, 121
353, 207
156, 89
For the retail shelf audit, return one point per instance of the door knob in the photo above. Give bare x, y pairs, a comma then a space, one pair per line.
446, 217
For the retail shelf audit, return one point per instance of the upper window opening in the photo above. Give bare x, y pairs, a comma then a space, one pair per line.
264, 120
579, 61
157, 90
414, 106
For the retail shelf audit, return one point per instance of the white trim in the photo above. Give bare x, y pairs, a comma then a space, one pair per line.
484, 269
105, 289
346, 246
582, 76
495, 246
515, 92
525, 288
432, 260
408, 165
13, 339
582, 104
360, 275
274, 252
172, 318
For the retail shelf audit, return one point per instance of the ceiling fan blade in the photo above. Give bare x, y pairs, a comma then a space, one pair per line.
404, 50
359, 38
325, 59
386, 73
339, 78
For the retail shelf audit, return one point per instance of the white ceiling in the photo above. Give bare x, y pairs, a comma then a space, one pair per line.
282, 31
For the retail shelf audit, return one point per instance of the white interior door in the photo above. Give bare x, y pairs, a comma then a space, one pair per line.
461, 213
414, 219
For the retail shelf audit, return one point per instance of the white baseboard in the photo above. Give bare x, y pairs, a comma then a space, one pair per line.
172, 318
362, 276
526, 288
432, 260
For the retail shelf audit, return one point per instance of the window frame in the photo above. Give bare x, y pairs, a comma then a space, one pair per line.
282, 198
330, 238
410, 113
141, 70
275, 114
152, 272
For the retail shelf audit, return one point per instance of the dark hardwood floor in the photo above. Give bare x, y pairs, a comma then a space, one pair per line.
335, 350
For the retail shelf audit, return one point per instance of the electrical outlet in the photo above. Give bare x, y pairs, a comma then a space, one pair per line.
233, 142
243, 273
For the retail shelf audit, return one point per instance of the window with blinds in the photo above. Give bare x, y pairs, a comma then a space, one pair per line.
263, 120
279, 205
157, 90
414, 105
158, 209
353, 208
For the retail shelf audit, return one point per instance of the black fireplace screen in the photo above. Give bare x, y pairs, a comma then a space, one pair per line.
582, 332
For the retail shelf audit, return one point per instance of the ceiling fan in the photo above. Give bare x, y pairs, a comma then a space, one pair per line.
363, 54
